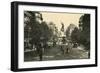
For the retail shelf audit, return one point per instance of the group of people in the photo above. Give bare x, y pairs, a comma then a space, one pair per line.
66, 47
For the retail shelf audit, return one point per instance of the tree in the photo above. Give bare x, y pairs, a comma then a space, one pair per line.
69, 30
84, 25
38, 32
46, 31
33, 30
75, 35
54, 32
33, 25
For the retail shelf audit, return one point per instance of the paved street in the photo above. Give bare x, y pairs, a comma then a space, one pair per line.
55, 53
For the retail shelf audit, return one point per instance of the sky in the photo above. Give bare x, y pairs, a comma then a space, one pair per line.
58, 18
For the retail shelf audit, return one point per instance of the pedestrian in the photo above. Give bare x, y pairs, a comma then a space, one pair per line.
39, 51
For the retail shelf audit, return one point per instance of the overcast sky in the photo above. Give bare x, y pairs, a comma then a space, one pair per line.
58, 18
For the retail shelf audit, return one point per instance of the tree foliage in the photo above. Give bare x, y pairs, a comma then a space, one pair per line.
84, 25
69, 30
75, 35
39, 32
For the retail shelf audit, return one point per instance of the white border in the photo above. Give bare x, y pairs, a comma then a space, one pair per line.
22, 64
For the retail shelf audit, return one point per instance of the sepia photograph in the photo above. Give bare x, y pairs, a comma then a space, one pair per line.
56, 36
